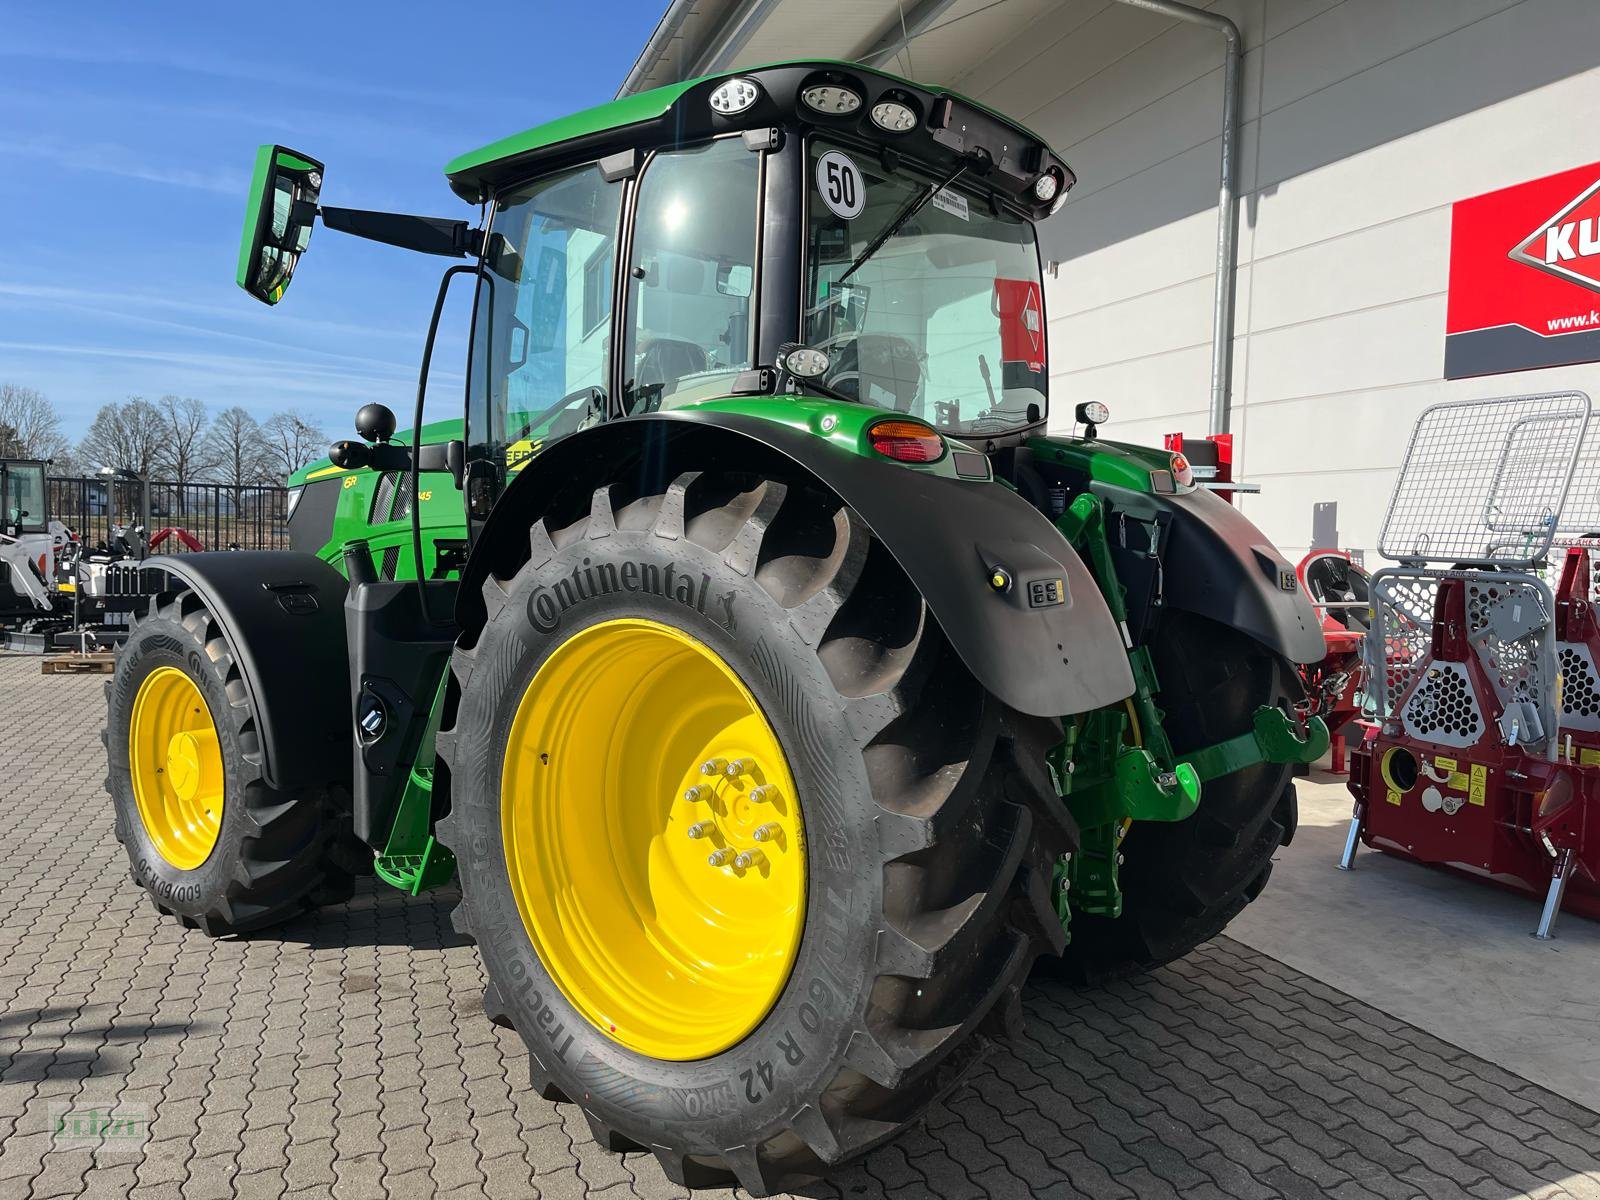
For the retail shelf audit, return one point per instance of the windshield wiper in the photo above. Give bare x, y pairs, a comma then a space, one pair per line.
912, 207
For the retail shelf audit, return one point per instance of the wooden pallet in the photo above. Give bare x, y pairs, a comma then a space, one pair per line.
78, 664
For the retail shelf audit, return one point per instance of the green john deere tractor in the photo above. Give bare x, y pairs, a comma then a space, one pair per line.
774, 685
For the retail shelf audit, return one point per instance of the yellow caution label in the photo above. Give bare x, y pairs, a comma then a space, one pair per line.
1444, 764
1394, 796
1480, 779
518, 453
1589, 758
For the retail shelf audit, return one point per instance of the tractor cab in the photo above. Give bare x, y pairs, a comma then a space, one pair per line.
30, 543
23, 497
676, 248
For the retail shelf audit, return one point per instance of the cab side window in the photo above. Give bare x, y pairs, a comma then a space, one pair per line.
691, 275
542, 342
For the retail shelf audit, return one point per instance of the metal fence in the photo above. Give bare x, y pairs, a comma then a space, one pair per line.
214, 516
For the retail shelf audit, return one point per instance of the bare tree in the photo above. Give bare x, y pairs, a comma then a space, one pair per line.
290, 440
236, 449
126, 436
29, 427
184, 453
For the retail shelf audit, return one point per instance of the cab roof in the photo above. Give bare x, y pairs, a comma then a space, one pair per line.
660, 116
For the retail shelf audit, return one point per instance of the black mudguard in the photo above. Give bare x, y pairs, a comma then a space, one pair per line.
283, 616
1217, 564
947, 535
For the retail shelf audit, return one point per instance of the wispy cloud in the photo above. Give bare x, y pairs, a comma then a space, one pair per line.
286, 350
271, 70
309, 378
118, 160
131, 304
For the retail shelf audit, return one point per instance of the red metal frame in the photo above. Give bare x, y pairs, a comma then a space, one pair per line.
1489, 810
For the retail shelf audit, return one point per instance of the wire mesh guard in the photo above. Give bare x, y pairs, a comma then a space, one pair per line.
1580, 520
1508, 627
1486, 481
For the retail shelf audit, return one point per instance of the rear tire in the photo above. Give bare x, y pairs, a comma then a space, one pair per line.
930, 828
276, 852
1183, 881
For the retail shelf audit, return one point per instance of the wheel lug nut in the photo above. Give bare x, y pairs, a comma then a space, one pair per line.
719, 857
764, 794
750, 858
701, 829
767, 832
713, 766
695, 794
738, 767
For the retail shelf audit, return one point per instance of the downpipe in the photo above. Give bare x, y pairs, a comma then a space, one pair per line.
1222, 317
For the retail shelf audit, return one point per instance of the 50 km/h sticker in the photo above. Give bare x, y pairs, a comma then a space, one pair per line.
841, 186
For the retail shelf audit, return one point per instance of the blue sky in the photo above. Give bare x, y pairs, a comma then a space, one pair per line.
127, 132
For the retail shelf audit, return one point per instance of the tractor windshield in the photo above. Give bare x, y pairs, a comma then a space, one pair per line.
945, 319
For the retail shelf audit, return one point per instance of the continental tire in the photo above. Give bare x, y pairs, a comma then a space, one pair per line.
268, 854
1182, 882
930, 829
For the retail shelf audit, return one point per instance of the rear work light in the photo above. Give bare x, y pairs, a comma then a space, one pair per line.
906, 441
734, 96
832, 98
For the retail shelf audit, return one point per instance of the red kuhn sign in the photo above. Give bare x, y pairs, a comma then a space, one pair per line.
1525, 277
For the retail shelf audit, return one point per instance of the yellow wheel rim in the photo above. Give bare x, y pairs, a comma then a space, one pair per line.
176, 762
653, 839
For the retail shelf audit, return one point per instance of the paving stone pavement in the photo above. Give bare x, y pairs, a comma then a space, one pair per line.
265, 1070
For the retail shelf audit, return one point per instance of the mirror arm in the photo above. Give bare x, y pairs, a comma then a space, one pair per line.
444, 456
352, 454
427, 235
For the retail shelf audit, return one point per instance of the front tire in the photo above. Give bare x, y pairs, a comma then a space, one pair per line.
207, 837
929, 827
1183, 881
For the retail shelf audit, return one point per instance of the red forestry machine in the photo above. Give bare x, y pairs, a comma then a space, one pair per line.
1484, 752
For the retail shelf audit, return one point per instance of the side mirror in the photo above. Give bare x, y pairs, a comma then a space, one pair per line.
735, 280
277, 220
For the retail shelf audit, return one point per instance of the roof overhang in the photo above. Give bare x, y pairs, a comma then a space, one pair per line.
950, 130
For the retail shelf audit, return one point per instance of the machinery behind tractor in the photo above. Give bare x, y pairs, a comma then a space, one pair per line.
1484, 755
775, 685
57, 591
1340, 590
32, 546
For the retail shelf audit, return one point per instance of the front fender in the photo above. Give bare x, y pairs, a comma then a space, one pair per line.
1217, 564
947, 535
282, 614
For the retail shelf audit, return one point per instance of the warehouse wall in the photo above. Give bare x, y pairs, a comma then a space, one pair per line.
1366, 120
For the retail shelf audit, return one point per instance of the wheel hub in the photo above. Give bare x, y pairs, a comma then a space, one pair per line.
653, 839
175, 760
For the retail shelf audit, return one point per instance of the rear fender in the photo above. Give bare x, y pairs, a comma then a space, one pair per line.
283, 616
947, 535
1217, 564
